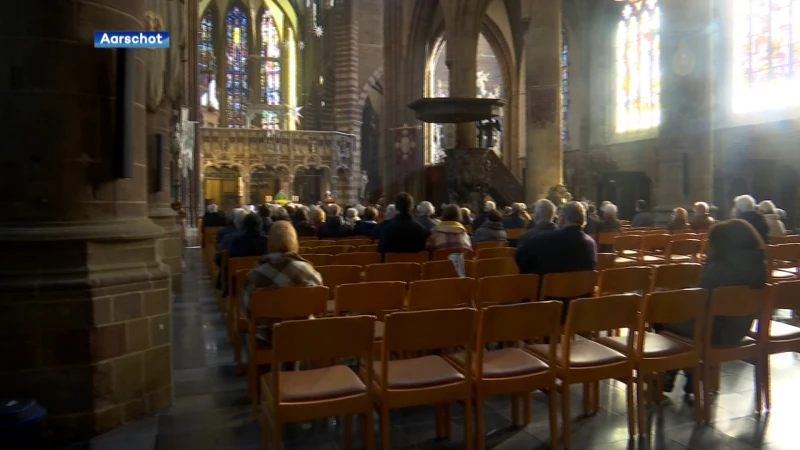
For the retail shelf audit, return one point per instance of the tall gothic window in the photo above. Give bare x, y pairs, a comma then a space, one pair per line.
564, 84
488, 84
207, 60
236, 51
270, 69
639, 66
766, 54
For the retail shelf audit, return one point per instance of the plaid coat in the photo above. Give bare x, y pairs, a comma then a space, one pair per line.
449, 236
277, 270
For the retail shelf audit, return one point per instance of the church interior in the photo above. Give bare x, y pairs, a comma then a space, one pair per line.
119, 304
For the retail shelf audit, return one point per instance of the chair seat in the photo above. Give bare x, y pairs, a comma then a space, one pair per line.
779, 331
583, 353
680, 258
319, 384
653, 258
783, 273
655, 345
417, 373
506, 363
745, 342
379, 326
622, 260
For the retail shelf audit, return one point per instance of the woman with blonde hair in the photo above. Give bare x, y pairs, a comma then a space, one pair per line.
680, 220
317, 218
770, 213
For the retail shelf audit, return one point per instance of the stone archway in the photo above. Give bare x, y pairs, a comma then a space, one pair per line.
264, 182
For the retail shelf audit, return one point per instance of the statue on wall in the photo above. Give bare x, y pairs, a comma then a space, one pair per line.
364, 181
486, 130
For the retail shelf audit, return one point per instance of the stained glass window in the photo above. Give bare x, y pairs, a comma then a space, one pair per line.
269, 120
207, 60
767, 54
236, 70
564, 84
639, 66
270, 61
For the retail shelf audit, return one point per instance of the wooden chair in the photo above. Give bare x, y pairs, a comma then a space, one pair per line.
627, 246
783, 261
333, 276
586, 361
657, 353
307, 238
569, 285
335, 390
419, 257
607, 238
374, 298
623, 280
605, 260
791, 239
676, 276
289, 303
511, 370
783, 338
501, 289
319, 260
441, 294
654, 248
495, 266
444, 255
404, 272
358, 258
499, 252
354, 242
514, 234
316, 243
426, 380
737, 301
434, 270
477, 246
685, 250
306, 251
367, 248
237, 323
335, 249
468, 228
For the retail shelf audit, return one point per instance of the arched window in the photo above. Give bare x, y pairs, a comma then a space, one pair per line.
236, 51
564, 84
766, 54
488, 84
207, 60
639, 66
270, 70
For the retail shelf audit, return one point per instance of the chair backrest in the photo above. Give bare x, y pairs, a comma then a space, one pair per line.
428, 330
358, 259
783, 252
434, 270
367, 248
655, 241
307, 238
506, 288
287, 303
569, 284
520, 322
323, 339
307, 251
405, 272
608, 312
444, 255
686, 247
498, 252
676, 276
419, 257
477, 246
627, 242
625, 280
378, 297
333, 276
318, 260
678, 306
235, 265
791, 239
514, 234
354, 242
335, 249
441, 294
607, 237
740, 301
605, 260
787, 295
495, 266
314, 243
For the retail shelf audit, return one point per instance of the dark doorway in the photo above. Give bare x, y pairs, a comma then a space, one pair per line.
308, 185
263, 183
370, 152
624, 189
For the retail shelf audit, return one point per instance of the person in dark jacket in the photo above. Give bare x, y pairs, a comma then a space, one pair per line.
515, 220
213, 218
491, 229
302, 225
248, 240
366, 226
643, 216
679, 220
544, 215
425, 213
389, 214
487, 206
702, 218
403, 234
744, 207
266, 218
567, 249
234, 224
594, 224
335, 226
737, 258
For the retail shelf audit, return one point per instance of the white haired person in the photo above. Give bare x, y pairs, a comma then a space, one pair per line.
745, 208
515, 219
544, 220
488, 206
702, 219
351, 216
610, 220
388, 215
234, 223
425, 213
776, 227
213, 218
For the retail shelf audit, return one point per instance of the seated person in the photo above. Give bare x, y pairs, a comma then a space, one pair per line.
702, 217
544, 216
280, 267
213, 218
679, 220
425, 213
450, 234
366, 226
247, 240
402, 234
335, 226
776, 226
491, 229
515, 219
466, 216
643, 216
302, 225
234, 224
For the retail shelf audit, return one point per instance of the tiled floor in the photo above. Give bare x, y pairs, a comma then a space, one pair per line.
211, 410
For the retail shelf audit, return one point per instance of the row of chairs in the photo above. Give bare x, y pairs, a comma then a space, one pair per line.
477, 247
371, 257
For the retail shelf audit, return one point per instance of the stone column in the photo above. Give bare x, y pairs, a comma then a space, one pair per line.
685, 157
84, 297
463, 19
544, 158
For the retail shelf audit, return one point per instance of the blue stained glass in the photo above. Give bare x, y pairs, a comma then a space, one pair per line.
236, 51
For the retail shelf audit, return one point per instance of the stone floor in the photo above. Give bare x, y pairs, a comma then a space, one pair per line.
211, 410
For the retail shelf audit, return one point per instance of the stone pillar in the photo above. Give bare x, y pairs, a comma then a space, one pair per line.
85, 321
463, 20
544, 158
685, 157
